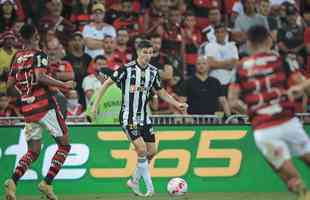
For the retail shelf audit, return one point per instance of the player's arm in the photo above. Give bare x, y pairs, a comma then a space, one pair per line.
65, 76
117, 77
40, 64
164, 95
99, 96
234, 101
221, 64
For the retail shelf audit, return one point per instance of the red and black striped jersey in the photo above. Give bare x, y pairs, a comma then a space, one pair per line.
263, 80
34, 97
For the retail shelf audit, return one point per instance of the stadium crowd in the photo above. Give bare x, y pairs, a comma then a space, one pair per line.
197, 44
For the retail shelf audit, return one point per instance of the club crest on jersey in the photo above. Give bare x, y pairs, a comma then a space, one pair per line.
115, 74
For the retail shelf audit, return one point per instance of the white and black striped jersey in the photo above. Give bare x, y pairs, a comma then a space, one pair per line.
136, 84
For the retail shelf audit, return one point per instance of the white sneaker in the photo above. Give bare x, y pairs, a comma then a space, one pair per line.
149, 194
134, 187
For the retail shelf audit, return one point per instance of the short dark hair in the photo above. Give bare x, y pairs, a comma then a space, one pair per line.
27, 31
100, 57
144, 44
154, 35
258, 34
219, 26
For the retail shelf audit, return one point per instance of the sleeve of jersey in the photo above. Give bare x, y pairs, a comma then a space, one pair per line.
119, 75
157, 84
12, 71
40, 62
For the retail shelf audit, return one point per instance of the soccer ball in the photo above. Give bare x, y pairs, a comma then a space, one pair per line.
177, 187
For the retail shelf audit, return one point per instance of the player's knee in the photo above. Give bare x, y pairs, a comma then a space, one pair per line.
141, 151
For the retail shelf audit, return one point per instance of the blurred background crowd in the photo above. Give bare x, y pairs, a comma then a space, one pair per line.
197, 45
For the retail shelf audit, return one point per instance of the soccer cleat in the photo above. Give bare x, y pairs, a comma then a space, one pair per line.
134, 187
303, 193
149, 194
47, 191
10, 189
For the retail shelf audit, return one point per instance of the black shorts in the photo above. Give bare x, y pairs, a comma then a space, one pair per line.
134, 132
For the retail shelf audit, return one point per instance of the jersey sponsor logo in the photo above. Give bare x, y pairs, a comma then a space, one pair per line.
134, 88
23, 58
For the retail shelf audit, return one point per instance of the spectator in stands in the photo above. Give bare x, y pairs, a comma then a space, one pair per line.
155, 16
122, 45
169, 83
214, 18
222, 57
3, 80
203, 94
191, 39
74, 108
93, 81
306, 16
307, 43
160, 58
95, 32
264, 10
172, 38
59, 69
5, 109
8, 15
244, 22
53, 21
128, 19
7, 50
81, 13
33, 10
291, 37
114, 61
79, 61
202, 8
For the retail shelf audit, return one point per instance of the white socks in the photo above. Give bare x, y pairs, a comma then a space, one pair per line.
143, 170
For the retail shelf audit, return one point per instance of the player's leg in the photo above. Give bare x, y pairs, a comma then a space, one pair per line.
148, 136
142, 170
299, 143
33, 134
55, 123
149, 139
271, 143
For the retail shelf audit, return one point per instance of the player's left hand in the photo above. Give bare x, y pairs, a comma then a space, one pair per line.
295, 92
182, 107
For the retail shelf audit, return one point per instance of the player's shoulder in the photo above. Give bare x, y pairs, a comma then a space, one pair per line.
153, 68
130, 64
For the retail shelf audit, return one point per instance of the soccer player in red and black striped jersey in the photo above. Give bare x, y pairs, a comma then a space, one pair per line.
261, 89
28, 80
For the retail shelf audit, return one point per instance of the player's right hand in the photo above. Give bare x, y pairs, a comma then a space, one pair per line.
70, 84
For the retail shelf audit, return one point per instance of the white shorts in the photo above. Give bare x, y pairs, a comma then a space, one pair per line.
279, 143
52, 121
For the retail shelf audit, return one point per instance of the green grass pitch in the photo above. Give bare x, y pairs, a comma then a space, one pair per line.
190, 196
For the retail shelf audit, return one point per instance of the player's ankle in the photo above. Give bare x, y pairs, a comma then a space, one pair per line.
295, 185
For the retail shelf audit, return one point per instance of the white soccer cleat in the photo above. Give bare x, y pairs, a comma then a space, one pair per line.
134, 187
10, 189
149, 194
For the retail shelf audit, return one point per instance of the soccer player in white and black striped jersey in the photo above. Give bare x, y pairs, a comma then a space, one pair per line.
137, 80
